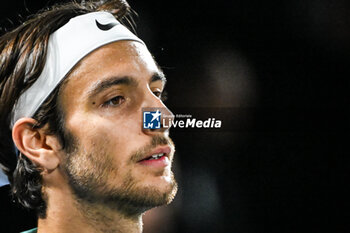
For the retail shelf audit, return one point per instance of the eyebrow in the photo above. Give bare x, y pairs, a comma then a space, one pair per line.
158, 76
126, 80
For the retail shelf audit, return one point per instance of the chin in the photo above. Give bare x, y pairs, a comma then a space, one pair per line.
162, 188
163, 183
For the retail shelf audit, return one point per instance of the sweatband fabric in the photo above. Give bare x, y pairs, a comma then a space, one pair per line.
67, 46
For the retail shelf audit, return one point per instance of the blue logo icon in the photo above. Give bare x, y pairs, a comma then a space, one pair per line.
151, 119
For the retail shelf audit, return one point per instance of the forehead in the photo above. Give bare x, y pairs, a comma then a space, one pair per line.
118, 59
115, 58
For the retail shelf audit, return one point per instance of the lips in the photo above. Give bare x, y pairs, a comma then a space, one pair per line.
158, 157
157, 153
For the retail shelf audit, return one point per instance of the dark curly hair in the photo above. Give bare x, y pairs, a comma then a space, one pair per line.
26, 43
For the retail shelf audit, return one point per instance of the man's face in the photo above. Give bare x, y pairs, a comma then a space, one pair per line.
102, 102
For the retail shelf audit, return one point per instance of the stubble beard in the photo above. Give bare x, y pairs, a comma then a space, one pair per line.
88, 175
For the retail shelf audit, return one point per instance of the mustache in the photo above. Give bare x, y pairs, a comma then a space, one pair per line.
157, 140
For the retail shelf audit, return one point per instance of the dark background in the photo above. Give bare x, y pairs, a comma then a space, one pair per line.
278, 70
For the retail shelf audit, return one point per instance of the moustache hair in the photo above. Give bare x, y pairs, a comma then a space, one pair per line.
157, 140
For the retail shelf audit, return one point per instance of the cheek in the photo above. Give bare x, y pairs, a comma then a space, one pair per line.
95, 162
107, 143
116, 136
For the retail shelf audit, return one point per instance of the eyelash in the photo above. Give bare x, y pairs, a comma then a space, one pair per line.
161, 95
110, 103
158, 94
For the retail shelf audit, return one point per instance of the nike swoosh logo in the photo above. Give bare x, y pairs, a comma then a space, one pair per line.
105, 27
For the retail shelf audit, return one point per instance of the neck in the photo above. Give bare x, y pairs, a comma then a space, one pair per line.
65, 214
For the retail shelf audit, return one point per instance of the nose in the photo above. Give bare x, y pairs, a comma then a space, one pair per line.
156, 117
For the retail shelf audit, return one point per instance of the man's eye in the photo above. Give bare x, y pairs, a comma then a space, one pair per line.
116, 101
161, 95
157, 93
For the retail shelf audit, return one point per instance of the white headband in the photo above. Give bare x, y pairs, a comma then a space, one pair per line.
67, 46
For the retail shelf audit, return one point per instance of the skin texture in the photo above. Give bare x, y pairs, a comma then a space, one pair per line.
101, 185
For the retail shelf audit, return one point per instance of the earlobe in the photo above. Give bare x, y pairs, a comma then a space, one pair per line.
35, 144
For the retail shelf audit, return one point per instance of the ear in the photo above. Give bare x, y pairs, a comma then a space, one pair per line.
38, 146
